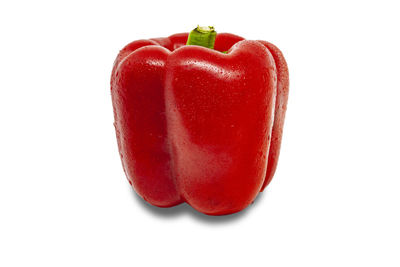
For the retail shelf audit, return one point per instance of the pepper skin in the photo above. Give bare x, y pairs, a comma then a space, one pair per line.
195, 125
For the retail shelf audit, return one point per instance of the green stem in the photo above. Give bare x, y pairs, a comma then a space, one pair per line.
202, 36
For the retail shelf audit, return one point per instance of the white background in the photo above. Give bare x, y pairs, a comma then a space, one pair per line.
334, 201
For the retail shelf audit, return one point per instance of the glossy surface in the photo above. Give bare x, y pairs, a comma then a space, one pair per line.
194, 124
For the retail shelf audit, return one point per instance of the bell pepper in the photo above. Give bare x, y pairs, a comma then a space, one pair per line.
199, 118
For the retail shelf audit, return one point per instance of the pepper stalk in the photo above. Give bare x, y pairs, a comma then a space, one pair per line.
202, 36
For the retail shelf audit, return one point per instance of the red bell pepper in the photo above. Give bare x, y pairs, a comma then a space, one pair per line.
196, 124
